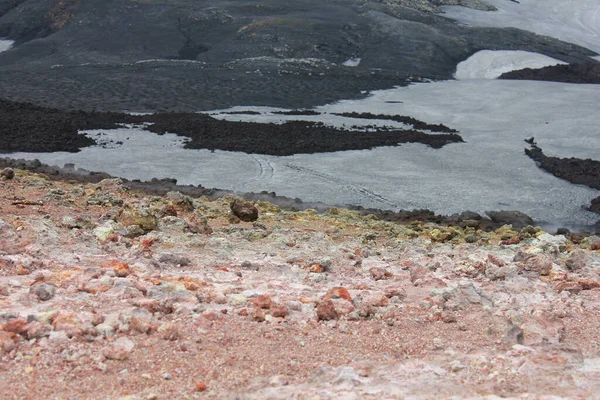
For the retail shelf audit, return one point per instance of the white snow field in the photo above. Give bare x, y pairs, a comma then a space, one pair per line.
573, 21
488, 64
488, 172
5, 44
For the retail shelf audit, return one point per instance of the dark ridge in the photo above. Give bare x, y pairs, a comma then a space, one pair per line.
415, 123
242, 112
292, 137
297, 112
588, 72
575, 170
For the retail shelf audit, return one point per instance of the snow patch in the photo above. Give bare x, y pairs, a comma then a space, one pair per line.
488, 64
352, 62
5, 44
572, 21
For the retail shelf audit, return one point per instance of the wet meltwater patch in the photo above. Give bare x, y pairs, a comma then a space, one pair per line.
488, 64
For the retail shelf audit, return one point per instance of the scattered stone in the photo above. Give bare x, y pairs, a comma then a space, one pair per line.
43, 291
577, 260
517, 219
244, 210
472, 238
169, 332
144, 217
22, 270
7, 173
278, 310
174, 259
258, 314
326, 311
316, 268
263, 301
37, 330
377, 299
551, 244
538, 263
378, 273
201, 387
514, 335
338, 293
119, 350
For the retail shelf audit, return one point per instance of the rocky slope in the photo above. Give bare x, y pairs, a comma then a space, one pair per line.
107, 292
189, 55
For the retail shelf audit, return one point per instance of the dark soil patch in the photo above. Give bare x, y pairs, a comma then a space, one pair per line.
415, 123
588, 72
29, 128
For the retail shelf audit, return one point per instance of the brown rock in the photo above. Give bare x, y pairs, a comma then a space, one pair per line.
316, 268
258, 315
577, 260
569, 286
36, 330
263, 301
140, 325
418, 273
588, 284
211, 315
378, 273
170, 332
8, 341
121, 269
279, 310
18, 326
151, 305
595, 245
337, 293
342, 307
326, 311
495, 260
21, 270
119, 350
244, 210
94, 287
392, 291
376, 299
540, 264
201, 387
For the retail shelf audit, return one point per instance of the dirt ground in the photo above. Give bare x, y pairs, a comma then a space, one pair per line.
107, 292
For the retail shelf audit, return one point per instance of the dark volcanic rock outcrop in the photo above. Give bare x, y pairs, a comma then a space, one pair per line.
25, 127
588, 72
575, 170
190, 55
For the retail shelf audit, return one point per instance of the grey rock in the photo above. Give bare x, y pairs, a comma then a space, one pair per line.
515, 218
43, 291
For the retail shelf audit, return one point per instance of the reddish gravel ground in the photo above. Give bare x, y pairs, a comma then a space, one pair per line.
110, 293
